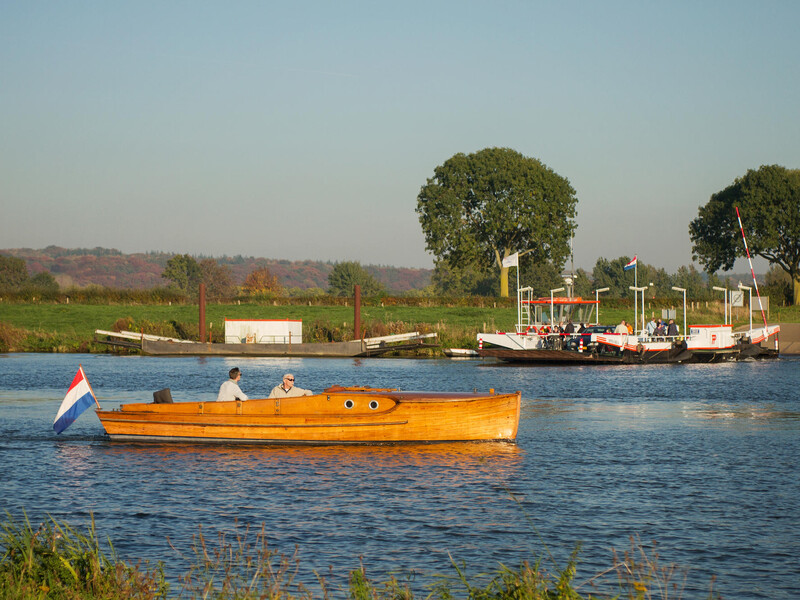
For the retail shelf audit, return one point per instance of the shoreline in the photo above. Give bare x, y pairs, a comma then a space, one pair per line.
70, 328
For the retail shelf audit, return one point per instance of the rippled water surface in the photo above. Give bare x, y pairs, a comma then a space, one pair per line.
702, 459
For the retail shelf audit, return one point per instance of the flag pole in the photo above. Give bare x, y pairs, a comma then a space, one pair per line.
80, 367
752, 272
636, 293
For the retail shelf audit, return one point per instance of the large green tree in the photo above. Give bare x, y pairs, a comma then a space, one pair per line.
13, 271
184, 273
542, 276
690, 279
480, 208
466, 279
769, 203
218, 279
347, 274
612, 274
44, 281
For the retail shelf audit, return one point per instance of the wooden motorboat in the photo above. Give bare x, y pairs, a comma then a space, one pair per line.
339, 415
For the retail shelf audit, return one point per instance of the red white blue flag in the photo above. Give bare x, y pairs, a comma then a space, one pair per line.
79, 397
630, 265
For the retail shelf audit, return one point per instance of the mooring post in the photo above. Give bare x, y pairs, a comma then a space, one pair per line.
202, 312
357, 310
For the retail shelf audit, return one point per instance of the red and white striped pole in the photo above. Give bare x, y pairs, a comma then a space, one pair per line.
752, 272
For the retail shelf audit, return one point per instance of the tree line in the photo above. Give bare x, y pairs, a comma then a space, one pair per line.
183, 274
14, 276
186, 274
480, 209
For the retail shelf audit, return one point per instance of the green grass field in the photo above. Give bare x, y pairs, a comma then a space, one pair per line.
48, 327
82, 319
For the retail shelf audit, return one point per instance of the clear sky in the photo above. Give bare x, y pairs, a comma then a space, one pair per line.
304, 130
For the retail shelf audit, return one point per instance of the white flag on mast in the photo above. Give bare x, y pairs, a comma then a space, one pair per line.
511, 260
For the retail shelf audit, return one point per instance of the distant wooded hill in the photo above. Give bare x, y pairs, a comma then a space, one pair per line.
111, 268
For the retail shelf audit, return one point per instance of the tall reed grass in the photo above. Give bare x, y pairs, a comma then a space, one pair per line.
57, 561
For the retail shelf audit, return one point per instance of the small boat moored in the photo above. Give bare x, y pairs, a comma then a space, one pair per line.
461, 353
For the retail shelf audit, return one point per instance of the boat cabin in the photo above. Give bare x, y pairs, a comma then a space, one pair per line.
547, 311
711, 336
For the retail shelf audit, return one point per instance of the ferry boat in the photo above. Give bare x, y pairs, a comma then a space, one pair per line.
704, 344
533, 341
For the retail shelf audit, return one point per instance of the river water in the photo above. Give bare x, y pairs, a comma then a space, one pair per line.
702, 459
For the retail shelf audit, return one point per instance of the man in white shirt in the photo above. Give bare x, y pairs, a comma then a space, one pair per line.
651, 326
287, 389
230, 390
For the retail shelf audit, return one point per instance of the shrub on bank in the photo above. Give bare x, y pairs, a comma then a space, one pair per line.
16, 339
11, 337
93, 294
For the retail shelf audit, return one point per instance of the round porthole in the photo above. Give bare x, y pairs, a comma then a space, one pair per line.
373, 404
349, 403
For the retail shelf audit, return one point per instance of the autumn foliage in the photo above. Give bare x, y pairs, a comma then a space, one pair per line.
261, 281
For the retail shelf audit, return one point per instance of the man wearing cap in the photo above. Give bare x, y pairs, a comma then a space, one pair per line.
230, 389
287, 389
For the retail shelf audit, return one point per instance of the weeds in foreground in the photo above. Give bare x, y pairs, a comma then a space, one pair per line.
641, 575
241, 566
57, 562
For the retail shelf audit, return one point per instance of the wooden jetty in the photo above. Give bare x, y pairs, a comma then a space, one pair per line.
154, 345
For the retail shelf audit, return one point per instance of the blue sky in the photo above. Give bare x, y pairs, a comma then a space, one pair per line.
305, 130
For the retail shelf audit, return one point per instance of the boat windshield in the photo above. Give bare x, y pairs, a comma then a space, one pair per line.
577, 312
546, 311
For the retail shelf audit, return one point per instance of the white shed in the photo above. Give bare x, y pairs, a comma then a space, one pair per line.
263, 331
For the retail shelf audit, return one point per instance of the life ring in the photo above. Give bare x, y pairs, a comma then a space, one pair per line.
532, 329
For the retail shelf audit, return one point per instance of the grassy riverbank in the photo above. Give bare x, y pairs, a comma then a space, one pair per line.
56, 561
69, 327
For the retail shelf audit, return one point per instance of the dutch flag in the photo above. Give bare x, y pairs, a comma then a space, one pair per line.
79, 397
630, 265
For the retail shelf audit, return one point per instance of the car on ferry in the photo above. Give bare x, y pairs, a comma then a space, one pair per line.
574, 342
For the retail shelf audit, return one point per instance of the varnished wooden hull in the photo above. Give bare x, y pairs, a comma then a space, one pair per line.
338, 416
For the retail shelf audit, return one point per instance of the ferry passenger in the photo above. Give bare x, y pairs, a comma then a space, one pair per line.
622, 327
672, 329
651, 327
660, 328
287, 389
230, 390
569, 327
